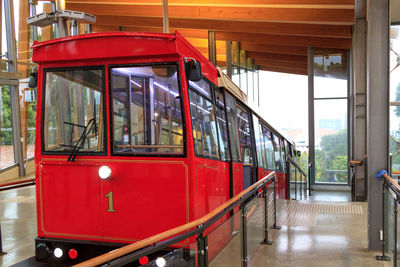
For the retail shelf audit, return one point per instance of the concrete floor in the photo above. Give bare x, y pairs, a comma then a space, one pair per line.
337, 237
314, 233
18, 224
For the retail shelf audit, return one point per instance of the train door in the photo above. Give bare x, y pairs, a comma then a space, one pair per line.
260, 148
72, 124
150, 179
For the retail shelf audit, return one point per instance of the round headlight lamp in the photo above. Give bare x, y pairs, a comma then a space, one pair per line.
104, 172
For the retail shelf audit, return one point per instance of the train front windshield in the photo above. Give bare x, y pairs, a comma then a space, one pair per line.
146, 108
73, 107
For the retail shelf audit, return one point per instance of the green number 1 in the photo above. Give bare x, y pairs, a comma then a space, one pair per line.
110, 202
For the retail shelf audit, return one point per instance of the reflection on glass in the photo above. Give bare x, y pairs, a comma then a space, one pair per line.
73, 105
330, 74
244, 134
232, 126
331, 162
222, 128
28, 119
6, 134
147, 110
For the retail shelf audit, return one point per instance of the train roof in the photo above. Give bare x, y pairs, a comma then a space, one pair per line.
120, 45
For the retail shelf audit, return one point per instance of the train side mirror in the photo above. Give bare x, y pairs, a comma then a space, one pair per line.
32, 83
193, 70
298, 152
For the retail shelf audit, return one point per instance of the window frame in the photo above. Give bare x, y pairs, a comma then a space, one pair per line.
212, 101
215, 88
111, 110
42, 109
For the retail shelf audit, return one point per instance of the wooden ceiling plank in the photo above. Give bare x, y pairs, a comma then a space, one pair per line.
340, 43
341, 31
345, 16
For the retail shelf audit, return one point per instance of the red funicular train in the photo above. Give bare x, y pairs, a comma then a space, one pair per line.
132, 143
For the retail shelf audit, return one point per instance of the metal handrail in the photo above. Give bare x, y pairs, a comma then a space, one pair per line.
360, 162
16, 184
200, 224
294, 163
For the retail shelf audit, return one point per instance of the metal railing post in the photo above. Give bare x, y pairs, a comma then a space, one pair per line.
265, 195
1, 244
383, 257
395, 211
275, 224
202, 250
295, 183
243, 236
309, 179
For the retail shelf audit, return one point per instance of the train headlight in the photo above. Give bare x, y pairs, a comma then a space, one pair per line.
58, 252
104, 172
161, 262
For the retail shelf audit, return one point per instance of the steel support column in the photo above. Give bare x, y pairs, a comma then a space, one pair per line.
311, 126
14, 93
229, 59
359, 93
212, 48
165, 17
62, 29
377, 110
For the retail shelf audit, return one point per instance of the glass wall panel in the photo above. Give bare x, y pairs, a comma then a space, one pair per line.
331, 116
235, 75
6, 134
395, 97
331, 141
28, 119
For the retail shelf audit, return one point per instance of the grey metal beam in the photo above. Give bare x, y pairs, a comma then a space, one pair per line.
165, 17
377, 111
229, 59
212, 48
359, 105
32, 7
14, 91
311, 126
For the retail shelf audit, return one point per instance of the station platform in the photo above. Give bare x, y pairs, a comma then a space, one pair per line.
313, 233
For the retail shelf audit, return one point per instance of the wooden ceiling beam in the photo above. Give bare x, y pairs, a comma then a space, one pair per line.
339, 31
240, 2
278, 57
280, 64
340, 43
274, 49
279, 13
284, 70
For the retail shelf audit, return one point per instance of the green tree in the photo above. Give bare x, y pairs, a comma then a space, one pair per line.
332, 157
6, 117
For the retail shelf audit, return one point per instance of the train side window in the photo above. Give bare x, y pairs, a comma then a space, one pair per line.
259, 143
203, 121
232, 126
277, 153
243, 119
269, 148
222, 127
283, 155
73, 105
147, 114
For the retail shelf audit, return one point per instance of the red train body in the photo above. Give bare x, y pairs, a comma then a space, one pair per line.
167, 168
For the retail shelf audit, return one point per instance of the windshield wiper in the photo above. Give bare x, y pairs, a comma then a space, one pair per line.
81, 141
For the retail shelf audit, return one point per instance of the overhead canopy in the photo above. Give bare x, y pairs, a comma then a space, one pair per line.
275, 33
